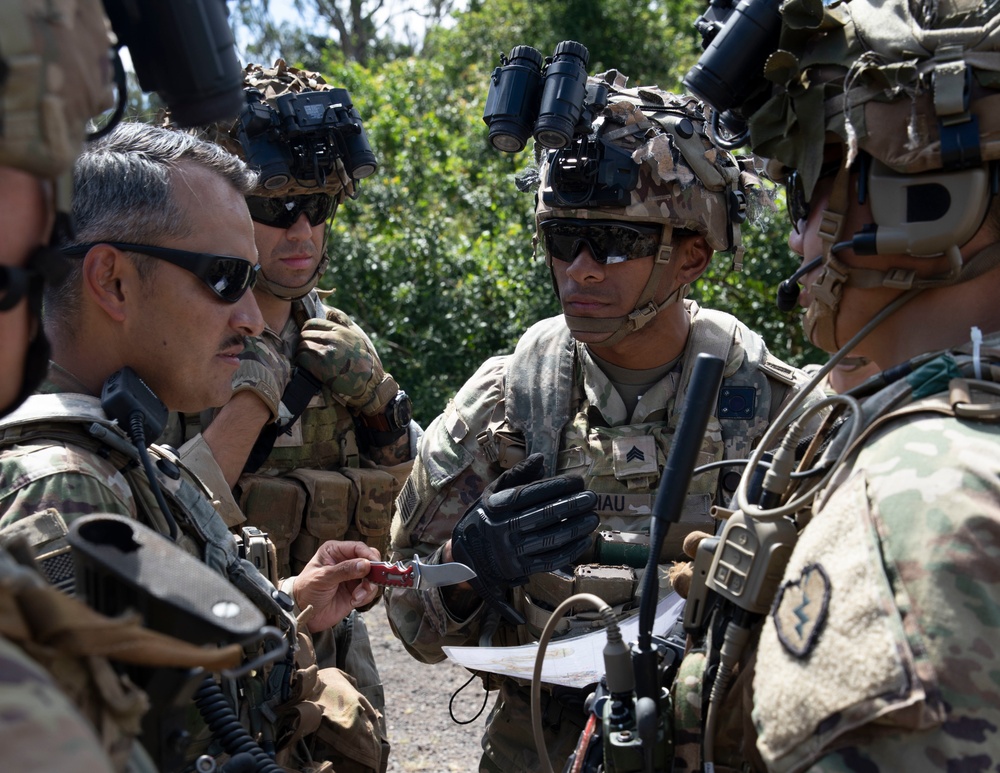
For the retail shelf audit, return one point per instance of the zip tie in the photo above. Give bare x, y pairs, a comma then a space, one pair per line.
977, 342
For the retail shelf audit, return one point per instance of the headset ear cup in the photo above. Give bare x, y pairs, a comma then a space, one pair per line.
926, 214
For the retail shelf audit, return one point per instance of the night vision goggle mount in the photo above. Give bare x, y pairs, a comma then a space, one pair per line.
737, 41
550, 101
590, 173
303, 137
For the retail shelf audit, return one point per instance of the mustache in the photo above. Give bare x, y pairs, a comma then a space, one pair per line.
233, 341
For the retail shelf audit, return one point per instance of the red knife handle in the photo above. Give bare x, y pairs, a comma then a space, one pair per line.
392, 575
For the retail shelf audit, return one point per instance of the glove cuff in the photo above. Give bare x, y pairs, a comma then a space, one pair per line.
254, 376
384, 393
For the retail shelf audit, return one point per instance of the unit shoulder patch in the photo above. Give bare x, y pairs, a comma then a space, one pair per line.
800, 610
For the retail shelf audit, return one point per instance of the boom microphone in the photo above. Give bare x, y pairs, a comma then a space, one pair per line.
788, 291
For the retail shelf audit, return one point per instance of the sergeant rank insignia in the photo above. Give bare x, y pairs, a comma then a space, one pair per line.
800, 610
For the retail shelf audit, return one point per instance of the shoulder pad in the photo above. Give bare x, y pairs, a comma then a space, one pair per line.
65, 406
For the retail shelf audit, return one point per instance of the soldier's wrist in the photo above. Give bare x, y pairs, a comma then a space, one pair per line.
390, 424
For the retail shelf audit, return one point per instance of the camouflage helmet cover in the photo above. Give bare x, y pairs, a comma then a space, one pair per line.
273, 82
856, 68
55, 74
683, 180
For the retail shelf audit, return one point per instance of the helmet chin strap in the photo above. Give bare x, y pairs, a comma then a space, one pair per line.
820, 320
645, 309
286, 293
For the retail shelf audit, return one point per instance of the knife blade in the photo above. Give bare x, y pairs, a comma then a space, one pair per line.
416, 575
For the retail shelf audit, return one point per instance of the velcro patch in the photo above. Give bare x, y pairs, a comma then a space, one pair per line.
801, 609
634, 456
737, 402
406, 502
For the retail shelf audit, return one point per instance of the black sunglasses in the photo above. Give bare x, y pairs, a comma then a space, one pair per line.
795, 195
226, 276
610, 241
45, 264
283, 212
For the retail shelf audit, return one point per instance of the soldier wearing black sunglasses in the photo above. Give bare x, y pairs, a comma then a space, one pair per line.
169, 301
314, 415
627, 218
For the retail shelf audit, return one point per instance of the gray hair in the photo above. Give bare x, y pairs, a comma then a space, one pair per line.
122, 191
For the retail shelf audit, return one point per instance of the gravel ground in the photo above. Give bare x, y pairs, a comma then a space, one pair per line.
422, 734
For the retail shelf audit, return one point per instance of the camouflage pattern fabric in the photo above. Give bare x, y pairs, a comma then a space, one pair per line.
75, 479
452, 469
316, 484
63, 478
41, 728
305, 471
897, 63
896, 599
56, 75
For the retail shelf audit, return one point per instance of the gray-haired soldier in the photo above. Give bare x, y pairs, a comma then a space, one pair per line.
592, 393
164, 262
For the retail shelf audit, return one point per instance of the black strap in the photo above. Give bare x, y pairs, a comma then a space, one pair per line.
300, 390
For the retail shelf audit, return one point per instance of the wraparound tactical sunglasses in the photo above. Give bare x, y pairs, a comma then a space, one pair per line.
610, 241
44, 265
283, 212
226, 276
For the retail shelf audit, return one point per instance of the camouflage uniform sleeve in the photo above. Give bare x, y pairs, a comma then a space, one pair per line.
71, 481
448, 476
880, 651
43, 730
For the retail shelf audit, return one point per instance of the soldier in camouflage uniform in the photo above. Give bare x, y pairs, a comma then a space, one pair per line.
593, 393
55, 66
334, 471
877, 649
164, 303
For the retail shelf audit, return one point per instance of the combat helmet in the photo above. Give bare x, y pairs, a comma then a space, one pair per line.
648, 160
912, 91
55, 75
303, 137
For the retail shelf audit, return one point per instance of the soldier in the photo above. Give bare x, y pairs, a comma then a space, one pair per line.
628, 217
343, 449
880, 115
162, 262
53, 64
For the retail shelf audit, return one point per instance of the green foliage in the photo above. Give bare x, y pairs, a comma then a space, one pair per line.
434, 259
651, 42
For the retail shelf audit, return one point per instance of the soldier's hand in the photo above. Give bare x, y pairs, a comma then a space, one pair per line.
342, 357
333, 582
523, 525
264, 372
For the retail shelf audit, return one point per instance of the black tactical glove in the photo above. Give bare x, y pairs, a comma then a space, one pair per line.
521, 526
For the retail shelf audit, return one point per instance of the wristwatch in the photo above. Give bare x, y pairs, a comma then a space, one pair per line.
392, 423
